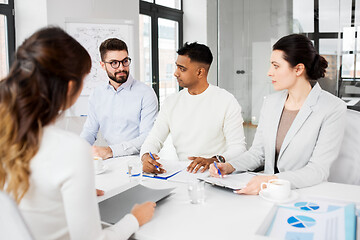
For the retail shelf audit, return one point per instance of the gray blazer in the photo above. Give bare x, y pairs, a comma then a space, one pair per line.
311, 144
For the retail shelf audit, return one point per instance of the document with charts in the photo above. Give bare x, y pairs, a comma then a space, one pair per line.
313, 219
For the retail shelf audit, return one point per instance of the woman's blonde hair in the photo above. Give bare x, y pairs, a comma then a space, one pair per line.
32, 96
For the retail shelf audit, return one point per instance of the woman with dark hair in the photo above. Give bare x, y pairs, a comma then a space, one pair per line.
49, 172
300, 128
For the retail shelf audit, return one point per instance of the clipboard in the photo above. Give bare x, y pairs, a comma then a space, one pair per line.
115, 208
231, 181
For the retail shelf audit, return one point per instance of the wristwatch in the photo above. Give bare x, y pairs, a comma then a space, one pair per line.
219, 158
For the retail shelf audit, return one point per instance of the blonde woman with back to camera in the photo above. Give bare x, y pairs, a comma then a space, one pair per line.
48, 171
300, 127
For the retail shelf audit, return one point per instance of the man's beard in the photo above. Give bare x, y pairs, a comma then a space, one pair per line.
120, 79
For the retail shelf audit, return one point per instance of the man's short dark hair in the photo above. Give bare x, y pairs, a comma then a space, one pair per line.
112, 44
197, 52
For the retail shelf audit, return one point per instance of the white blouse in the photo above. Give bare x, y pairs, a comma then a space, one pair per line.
61, 201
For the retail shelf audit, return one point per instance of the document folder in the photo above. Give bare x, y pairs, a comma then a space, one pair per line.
116, 207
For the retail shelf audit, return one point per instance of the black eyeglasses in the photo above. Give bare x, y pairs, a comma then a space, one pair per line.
116, 64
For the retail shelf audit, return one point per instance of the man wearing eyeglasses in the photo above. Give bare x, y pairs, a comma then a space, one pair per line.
124, 109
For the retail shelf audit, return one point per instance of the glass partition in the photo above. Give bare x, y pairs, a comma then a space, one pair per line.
247, 29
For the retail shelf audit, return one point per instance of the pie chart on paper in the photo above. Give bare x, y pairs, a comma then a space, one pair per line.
301, 221
307, 206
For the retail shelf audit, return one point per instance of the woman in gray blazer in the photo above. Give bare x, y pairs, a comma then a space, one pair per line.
300, 127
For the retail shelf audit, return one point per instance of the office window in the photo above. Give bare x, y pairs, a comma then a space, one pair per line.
329, 20
168, 45
160, 38
328, 48
169, 3
303, 15
145, 49
4, 56
335, 34
7, 36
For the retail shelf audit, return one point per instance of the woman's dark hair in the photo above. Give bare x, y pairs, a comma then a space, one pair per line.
32, 96
299, 49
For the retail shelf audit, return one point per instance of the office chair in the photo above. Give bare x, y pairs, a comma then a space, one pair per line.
12, 225
346, 168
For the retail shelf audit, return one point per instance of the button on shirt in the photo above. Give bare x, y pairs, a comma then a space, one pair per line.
125, 116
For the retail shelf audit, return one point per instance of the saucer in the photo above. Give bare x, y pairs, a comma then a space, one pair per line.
105, 167
265, 195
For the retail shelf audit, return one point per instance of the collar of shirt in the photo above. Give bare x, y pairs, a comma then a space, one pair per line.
126, 85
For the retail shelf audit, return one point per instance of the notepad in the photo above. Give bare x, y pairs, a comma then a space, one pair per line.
172, 168
232, 181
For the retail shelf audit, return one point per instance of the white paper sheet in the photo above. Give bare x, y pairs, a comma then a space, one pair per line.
232, 181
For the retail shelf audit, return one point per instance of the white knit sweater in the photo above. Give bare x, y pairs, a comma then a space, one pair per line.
201, 125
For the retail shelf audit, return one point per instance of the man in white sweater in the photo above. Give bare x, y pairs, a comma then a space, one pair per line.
204, 120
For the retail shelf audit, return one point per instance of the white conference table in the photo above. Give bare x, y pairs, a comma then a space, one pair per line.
224, 215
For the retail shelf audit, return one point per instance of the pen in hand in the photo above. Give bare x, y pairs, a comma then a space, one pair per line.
217, 169
157, 167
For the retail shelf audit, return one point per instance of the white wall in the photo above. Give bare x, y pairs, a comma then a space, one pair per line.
211, 35
34, 14
200, 21
30, 15
195, 21
98, 10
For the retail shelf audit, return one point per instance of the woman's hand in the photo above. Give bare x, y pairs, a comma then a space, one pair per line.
225, 168
254, 185
143, 212
99, 192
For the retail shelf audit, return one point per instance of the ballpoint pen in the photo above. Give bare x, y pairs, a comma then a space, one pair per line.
217, 169
157, 167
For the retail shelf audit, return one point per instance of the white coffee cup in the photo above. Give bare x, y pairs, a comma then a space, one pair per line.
277, 189
98, 164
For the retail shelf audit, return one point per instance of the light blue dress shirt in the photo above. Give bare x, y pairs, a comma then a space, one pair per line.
124, 116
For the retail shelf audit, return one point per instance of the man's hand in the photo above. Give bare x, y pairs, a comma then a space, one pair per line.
149, 164
103, 152
199, 162
254, 185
